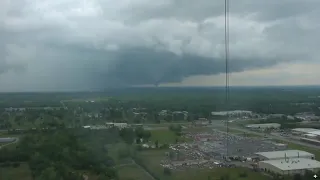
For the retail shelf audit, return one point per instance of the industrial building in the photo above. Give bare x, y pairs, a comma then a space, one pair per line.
290, 166
308, 133
264, 126
7, 140
276, 155
232, 113
301, 131
118, 125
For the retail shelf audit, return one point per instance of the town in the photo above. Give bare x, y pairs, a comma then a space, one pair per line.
141, 139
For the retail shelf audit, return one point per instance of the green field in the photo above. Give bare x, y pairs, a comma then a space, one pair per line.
132, 172
113, 152
163, 136
152, 160
18, 173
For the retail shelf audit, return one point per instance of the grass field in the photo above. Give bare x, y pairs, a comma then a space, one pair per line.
152, 160
113, 152
163, 136
19, 173
132, 172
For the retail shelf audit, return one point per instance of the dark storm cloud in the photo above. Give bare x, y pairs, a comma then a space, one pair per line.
67, 44
146, 66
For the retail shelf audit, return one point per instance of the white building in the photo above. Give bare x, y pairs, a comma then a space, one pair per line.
307, 132
264, 126
118, 125
7, 139
232, 113
303, 130
290, 166
274, 155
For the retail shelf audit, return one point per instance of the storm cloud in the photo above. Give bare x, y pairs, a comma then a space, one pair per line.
94, 44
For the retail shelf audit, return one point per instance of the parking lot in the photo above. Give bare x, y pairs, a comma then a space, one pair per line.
209, 150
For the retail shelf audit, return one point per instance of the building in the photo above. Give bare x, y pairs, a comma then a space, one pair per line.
7, 140
290, 166
237, 113
118, 125
301, 131
310, 133
264, 126
274, 155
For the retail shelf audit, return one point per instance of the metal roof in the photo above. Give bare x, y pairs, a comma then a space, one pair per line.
317, 132
6, 139
311, 135
264, 125
293, 164
285, 153
305, 130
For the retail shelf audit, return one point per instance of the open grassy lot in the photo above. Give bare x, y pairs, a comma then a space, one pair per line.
132, 172
152, 160
113, 151
19, 173
163, 136
197, 129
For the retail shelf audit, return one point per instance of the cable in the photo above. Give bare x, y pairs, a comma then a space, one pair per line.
226, 39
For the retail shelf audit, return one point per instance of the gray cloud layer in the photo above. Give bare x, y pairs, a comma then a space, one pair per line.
72, 44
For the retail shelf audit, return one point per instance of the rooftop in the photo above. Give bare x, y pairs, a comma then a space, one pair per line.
293, 164
264, 125
305, 130
282, 154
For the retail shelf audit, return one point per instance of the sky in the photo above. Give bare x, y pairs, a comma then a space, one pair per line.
51, 45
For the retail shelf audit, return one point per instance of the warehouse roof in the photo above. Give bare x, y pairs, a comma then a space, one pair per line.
317, 133
263, 125
293, 164
282, 154
7, 139
305, 130
311, 135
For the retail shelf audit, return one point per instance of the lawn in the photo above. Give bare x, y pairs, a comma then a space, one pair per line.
132, 172
152, 160
113, 151
163, 136
19, 173
197, 129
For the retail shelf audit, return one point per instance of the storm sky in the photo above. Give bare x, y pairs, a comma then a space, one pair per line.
49, 45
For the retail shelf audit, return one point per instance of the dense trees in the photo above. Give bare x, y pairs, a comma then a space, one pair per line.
62, 153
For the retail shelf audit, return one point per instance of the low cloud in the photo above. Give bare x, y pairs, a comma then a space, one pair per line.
91, 45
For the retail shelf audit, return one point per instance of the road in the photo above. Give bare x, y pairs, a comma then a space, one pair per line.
276, 137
